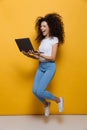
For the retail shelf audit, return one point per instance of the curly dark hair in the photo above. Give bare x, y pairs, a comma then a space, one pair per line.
55, 24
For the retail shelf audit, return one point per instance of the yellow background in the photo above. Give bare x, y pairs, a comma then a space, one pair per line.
17, 19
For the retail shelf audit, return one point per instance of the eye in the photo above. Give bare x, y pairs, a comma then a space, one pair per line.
44, 26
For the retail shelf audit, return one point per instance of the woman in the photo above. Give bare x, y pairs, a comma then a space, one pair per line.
50, 34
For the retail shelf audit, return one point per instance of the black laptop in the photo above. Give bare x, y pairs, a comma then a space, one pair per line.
24, 44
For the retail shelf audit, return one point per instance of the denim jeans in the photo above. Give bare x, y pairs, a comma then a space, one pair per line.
44, 75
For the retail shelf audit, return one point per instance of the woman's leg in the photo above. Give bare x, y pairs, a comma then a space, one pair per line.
45, 80
43, 94
38, 77
41, 82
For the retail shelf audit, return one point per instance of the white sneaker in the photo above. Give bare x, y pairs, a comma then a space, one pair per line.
61, 104
47, 110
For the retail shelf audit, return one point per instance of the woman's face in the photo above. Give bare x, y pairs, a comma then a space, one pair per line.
44, 29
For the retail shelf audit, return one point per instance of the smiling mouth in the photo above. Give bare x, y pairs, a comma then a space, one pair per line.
44, 31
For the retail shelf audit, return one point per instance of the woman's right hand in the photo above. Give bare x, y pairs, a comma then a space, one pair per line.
31, 53
25, 53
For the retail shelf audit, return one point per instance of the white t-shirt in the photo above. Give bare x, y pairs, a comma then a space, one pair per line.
46, 46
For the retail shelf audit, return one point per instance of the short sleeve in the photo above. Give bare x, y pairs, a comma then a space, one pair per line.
54, 40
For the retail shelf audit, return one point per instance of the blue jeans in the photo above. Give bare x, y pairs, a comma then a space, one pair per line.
44, 75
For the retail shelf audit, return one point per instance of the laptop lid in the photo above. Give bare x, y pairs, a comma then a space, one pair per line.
24, 44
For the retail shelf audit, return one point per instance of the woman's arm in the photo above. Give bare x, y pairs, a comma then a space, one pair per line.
53, 55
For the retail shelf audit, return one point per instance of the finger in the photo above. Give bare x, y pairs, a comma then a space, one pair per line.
32, 51
23, 51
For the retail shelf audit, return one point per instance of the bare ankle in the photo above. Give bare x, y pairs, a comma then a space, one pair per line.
57, 100
46, 103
